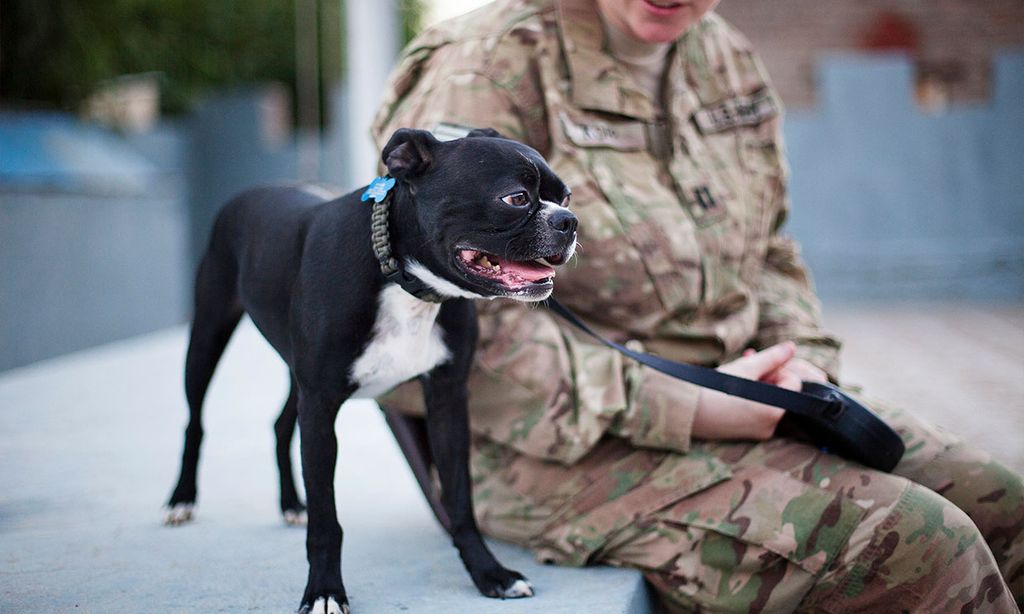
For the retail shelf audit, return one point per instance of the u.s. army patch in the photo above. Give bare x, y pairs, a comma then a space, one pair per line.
739, 111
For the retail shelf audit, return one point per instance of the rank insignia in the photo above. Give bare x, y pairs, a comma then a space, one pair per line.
704, 198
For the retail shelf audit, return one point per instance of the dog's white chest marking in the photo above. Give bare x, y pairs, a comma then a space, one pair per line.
405, 342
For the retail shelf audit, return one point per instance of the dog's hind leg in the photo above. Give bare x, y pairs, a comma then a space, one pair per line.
217, 312
292, 508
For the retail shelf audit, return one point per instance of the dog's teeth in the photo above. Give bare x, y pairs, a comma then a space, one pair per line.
543, 261
497, 268
484, 261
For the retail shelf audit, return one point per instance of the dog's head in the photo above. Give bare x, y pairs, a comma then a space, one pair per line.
493, 215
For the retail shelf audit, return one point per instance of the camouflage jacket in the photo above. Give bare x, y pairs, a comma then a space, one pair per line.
680, 246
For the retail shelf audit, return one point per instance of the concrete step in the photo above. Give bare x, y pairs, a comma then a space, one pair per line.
90, 446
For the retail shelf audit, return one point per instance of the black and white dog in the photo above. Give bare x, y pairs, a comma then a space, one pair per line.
477, 217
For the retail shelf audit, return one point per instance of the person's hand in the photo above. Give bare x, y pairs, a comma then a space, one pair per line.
722, 416
796, 370
805, 371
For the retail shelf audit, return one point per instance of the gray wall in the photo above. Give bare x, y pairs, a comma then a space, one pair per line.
891, 202
92, 237
100, 234
233, 147
83, 269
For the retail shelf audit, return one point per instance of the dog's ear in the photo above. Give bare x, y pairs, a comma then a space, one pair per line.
491, 132
409, 152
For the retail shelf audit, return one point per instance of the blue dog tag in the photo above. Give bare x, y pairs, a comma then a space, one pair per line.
378, 189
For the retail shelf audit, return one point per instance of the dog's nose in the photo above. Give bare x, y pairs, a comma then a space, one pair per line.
563, 221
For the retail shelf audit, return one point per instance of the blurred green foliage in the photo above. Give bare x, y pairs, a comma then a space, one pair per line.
68, 46
54, 52
412, 12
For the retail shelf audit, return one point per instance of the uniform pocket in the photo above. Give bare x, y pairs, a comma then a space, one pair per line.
654, 238
606, 506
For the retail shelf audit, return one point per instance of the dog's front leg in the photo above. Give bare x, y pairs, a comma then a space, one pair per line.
444, 390
325, 593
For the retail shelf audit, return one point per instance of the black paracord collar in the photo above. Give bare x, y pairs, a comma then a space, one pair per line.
381, 239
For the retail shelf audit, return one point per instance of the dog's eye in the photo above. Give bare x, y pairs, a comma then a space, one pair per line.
519, 199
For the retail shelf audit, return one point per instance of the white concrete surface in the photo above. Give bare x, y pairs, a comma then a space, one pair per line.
89, 449
960, 365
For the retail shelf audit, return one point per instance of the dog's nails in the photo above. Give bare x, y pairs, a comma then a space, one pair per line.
179, 513
519, 588
295, 518
328, 605
334, 608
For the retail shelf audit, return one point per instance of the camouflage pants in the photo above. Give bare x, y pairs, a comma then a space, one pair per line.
944, 533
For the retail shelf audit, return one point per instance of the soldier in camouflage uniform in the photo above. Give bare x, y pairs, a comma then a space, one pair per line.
587, 457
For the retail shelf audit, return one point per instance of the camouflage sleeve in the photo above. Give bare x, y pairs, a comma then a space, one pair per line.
539, 388
535, 386
428, 90
789, 307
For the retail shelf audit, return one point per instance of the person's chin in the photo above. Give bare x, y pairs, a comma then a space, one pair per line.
663, 21
653, 31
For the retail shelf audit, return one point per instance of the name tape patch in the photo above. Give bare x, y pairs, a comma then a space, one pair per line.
624, 136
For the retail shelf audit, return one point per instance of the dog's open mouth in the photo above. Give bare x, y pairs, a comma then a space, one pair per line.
511, 274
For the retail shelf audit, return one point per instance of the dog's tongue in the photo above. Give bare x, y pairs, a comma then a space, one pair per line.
530, 271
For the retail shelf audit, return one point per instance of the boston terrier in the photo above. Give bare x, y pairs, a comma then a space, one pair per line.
360, 293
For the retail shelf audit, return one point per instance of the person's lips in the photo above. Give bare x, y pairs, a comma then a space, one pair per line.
663, 8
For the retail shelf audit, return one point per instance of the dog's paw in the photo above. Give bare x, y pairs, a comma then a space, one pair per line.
503, 583
325, 605
179, 514
295, 518
519, 588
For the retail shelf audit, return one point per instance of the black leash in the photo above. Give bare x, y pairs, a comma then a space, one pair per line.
821, 413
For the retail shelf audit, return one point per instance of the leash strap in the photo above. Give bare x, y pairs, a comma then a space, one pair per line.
820, 413
716, 380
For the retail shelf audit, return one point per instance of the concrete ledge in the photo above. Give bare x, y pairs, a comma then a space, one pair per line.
90, 446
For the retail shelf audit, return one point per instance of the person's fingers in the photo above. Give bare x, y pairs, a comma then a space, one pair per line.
756, 365
788, 378
749, 352
807, 371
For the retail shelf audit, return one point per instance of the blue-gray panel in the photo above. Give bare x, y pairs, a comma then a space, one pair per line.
80, 270
891, 202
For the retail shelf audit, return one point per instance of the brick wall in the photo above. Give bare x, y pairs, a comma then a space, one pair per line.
952, 41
